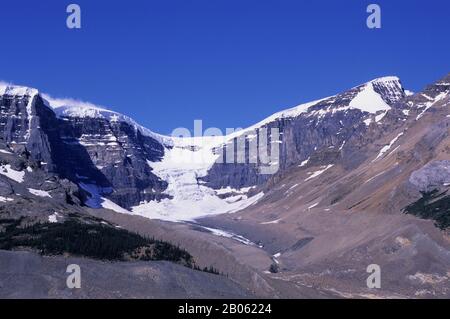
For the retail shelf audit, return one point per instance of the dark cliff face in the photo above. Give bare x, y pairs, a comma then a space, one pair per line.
33, 130
29, 127
120, 152
328, 133
110, 154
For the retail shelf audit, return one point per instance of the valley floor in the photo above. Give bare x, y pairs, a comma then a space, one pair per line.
327, 264
313, 260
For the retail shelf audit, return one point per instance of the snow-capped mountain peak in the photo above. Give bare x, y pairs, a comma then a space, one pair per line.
75, 108
16, 90
386, 79
389, 88
71, 108
374, 97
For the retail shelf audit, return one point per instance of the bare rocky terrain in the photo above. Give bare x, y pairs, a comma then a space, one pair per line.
29, 275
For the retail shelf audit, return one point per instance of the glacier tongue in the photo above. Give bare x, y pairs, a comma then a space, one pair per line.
190, 159
181, 167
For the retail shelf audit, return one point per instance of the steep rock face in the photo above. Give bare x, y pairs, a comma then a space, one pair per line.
20, 122
5, 188
16, 106
27, 188
439, 88
108, 153
323, 132
30, 128
120, 152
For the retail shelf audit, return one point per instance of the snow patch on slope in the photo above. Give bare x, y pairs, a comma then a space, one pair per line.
96, 200
313, 205
226, 234
388, 147
367, 100
53, 218
5, 199
7, 171
431, 102
230, 190
319, 172
304, 162
271, 222
39, 192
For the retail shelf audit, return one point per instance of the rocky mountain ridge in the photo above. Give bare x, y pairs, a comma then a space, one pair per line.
108, 155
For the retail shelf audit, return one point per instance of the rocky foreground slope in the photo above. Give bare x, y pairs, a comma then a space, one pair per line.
33, 276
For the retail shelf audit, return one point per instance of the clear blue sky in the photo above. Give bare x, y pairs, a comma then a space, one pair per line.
227, 62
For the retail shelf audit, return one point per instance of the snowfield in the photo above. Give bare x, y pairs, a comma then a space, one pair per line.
7, 171
96, 200
367, 100
183, 164
39, 192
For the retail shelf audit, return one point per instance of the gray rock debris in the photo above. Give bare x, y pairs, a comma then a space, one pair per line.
433, 175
